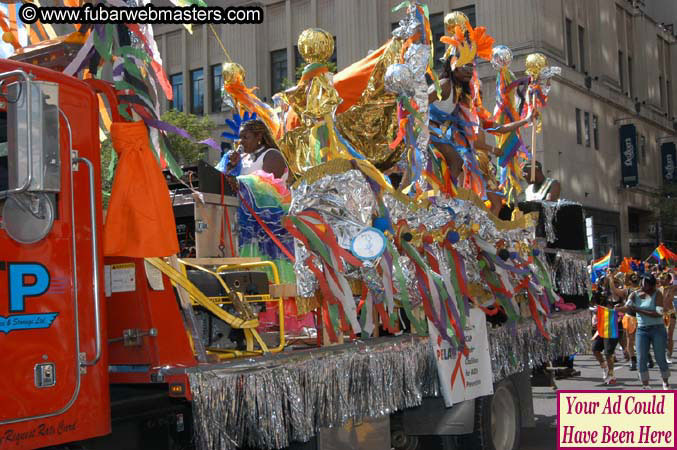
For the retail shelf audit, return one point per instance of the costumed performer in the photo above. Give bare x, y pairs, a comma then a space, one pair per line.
458, 119
259, 173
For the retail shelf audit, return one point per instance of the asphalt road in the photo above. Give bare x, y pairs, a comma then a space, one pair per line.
544, 435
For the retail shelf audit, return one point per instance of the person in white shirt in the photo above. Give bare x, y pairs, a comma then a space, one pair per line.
542, 188
258, 151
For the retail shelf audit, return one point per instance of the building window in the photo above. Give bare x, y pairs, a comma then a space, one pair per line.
298, 62
668, 88
579, 132
217, 81
176, 81
197, 94
437, 29
278, 69
631, 90
595, 131
633, 220
661, 91
621, 74
581, 47
642, 149
470, 12
570, 43
586, 124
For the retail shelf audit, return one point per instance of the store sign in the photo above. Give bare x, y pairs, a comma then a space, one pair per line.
628, 140
668, 154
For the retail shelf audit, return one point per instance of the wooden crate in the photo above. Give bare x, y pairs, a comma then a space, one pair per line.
207, 216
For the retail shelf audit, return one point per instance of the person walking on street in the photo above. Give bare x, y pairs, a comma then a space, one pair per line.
669, 290
603, 348
648, 303
629, 320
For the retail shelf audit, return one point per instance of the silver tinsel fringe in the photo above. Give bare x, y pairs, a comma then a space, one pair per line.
550, 210
270, 402
515, 348
569, 272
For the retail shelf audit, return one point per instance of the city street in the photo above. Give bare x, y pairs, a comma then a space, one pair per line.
544, 435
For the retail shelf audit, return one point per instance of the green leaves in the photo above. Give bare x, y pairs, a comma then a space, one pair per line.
200, 127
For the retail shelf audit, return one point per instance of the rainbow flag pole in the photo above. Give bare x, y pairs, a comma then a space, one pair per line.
607, 323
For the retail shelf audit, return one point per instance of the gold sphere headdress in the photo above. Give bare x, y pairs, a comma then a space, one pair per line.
535, 63
316, 45
465, 42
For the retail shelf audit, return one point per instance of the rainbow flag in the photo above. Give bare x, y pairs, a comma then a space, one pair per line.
600, 265
607, 323
662, 253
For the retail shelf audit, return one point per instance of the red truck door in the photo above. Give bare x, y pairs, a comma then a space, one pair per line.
53, 367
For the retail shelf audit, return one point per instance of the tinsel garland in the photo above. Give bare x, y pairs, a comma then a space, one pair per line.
270, 402
550, 210
570, 334
569, 272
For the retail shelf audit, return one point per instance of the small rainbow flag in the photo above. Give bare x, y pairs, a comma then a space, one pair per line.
607, 323
600, 265
662, 253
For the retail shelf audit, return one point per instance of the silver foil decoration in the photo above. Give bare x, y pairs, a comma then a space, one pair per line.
545, 76
399, 79
417, 57
272, 401
346, 202
227, 102
306, 283
407, 26
501, 56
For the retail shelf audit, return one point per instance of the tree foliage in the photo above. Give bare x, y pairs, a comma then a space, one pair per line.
666, 204
199, 127
108, 163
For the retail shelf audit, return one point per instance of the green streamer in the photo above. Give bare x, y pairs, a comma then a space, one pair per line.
334, 318
314, 241
173, 166
404, 292
401, 5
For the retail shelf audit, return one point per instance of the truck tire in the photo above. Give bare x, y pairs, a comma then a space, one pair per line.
497, 421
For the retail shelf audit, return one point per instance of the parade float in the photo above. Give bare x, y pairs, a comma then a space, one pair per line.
430, 310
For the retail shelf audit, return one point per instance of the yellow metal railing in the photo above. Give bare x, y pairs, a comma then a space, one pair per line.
247, 323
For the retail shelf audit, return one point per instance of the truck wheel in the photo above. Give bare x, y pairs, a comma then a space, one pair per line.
497, 421
399, 440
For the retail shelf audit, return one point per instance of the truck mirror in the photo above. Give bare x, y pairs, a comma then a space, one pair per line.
43, 124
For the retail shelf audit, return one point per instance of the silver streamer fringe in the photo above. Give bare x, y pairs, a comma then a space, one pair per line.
516, 348
550, 210
569, 272
272, 401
